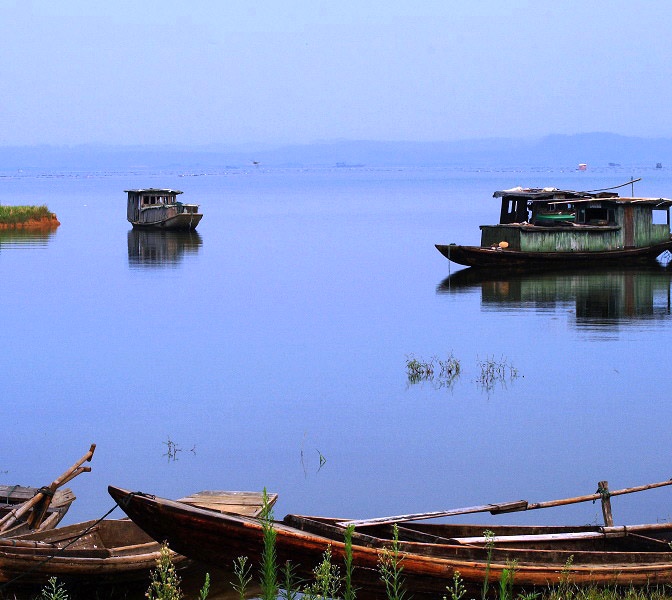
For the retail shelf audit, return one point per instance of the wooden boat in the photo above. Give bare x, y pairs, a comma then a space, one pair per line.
96, 553
431, 553
13, 496
25, 509
159, 208
550, 228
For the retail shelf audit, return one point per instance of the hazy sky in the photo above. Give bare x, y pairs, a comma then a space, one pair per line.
236, 71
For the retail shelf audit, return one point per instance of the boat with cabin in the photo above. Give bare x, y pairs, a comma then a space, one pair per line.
549, 228
159, 208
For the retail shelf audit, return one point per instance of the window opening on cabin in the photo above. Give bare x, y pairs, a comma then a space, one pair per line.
660, 216
591, 215
514, 210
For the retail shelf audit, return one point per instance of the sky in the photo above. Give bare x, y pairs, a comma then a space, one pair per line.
301, 71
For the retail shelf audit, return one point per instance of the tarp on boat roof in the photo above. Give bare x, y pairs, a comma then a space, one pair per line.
549, 193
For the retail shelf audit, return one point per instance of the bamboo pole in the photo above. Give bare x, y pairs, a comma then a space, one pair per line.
516, 506
40, 502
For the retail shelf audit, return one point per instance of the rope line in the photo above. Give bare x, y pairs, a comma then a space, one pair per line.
58, 551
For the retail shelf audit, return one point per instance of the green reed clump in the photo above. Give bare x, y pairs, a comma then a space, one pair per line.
350, 592
269, 573
419, 370
442, 373
495, 371
11, 215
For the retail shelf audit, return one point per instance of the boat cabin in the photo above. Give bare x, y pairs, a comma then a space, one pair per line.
553, 220
153, 207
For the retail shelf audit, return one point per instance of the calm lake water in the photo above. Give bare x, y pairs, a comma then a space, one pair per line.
269, 349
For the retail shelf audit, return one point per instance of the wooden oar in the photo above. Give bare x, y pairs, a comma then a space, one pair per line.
519, 505
620, 531
40, 502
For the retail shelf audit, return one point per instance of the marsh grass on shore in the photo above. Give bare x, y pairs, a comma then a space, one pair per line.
13, 215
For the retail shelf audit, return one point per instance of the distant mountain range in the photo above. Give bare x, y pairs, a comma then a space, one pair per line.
556, 151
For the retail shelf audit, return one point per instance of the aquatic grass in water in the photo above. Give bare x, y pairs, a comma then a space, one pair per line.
495, 372
442, 373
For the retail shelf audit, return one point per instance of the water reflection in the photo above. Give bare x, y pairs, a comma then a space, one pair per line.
154, 248
601, 299
25, 237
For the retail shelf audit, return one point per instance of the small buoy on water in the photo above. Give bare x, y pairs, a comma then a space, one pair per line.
503, 244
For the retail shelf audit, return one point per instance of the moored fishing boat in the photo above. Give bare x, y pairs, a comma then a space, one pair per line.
549, 228
106, 551
431, 553
159, 208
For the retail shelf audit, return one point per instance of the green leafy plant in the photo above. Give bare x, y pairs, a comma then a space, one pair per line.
349, 593
53, 590
243, 572
390, 567
269, 576
327, 579
489, 547
291, 584
457, 589
506, 582
165, 582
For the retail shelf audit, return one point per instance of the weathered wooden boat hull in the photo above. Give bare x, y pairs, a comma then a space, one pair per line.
12, 496
477, 256
431, 554
180, 222
110, 551
98, 552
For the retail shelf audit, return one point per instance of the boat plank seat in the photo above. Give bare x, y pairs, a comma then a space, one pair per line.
249, 504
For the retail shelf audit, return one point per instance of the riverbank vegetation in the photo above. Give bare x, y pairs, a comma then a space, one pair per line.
27, 217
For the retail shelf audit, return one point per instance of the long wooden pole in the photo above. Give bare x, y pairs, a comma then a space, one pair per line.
516, 506
44, 497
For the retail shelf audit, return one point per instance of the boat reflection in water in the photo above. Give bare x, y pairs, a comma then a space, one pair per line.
161, 248
601, 299
26, 237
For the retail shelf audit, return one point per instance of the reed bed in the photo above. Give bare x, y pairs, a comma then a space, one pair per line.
13, 215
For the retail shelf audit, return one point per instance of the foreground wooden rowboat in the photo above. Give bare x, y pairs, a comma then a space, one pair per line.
86, 553
14, 496
96, 553
602, 556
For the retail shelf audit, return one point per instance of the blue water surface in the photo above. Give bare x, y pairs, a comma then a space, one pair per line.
269, 349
